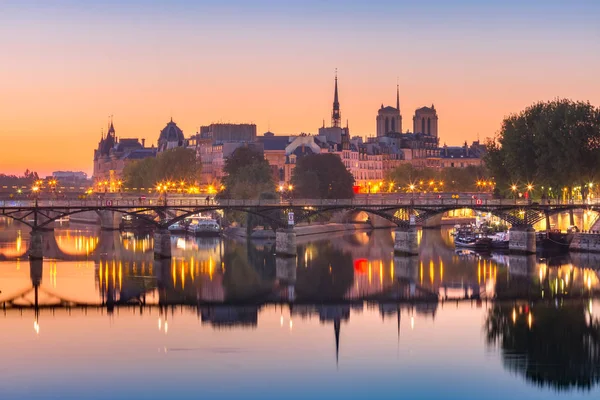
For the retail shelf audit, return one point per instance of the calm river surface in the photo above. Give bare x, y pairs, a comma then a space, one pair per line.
346, 319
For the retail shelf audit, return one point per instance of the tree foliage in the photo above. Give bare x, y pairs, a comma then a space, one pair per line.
551, 144
247, 175
444, 180
323, 176
175, 165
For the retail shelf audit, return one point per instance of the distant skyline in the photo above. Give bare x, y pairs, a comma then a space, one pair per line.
68, 65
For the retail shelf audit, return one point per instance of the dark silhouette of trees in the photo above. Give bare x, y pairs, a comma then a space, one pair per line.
322, 176
553, 144
27, 179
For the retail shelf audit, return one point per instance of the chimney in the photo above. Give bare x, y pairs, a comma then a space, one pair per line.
143, 142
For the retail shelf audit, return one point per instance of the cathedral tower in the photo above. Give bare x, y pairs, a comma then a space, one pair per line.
389, 118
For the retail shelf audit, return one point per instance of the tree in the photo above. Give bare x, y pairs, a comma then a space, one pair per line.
323, 176
430, 179
175, 165
247, 175
553, 144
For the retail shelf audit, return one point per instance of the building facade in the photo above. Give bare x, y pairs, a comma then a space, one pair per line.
229, 132
113, 154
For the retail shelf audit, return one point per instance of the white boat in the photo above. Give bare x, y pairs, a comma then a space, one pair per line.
177, 227
204, 227
500, 240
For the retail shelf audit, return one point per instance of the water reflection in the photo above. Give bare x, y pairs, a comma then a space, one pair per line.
555, 345
538, 311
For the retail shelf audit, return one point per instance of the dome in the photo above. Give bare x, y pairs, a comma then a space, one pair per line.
171, 133
170, 136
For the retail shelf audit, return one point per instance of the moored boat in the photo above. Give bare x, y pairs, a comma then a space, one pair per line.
467, 238
500, 240
204, 227
177, 227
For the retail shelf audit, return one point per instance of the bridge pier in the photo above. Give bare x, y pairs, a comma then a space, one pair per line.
285, 268
162, 244
405, 241
36, 247
285, 243
522, 240
110, 220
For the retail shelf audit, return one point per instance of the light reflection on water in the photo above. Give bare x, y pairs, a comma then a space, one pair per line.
346, 318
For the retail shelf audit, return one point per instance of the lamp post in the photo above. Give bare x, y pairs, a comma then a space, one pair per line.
514, 191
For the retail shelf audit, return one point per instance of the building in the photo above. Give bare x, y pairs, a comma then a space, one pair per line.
70, 175
425, 121
389, 119
274, 150
462, 156
229, 132
170, 137
112, 155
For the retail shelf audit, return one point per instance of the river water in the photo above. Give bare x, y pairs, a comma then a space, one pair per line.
226, 319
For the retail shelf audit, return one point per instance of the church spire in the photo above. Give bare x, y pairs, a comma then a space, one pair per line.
397, 97
336, 329
336, 116
111, 128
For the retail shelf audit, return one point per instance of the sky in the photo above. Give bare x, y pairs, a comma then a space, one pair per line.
67, 66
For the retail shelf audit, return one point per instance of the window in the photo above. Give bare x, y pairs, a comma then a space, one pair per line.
423, 125
428, 126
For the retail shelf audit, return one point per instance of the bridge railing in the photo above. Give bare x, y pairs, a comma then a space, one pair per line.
373, 202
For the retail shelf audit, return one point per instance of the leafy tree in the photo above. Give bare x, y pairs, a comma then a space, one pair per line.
323, 176
429, 179
247, 175
178, 164
175, 165
553, 144
463, 179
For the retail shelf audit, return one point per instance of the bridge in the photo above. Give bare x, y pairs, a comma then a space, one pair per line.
281, 215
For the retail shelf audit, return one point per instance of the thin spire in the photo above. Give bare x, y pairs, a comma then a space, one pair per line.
336, 115
398, 96
336, 328
111, 128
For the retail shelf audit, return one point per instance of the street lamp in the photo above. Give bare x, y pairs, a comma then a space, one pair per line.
514, 190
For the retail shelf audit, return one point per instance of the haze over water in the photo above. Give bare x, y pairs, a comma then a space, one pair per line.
227, 319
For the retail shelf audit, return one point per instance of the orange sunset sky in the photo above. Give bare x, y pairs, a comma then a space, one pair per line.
66, 66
